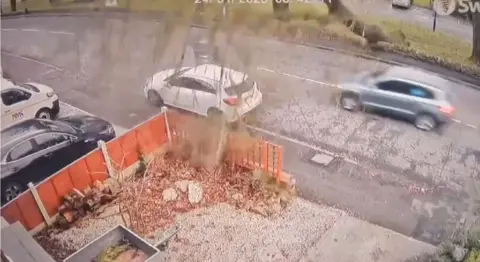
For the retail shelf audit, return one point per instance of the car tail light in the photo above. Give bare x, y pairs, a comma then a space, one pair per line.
449, 110
232, 101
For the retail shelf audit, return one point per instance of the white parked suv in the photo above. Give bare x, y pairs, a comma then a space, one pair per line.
26, 101
205, 90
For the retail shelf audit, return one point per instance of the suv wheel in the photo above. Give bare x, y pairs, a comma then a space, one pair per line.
350, 102
425, 122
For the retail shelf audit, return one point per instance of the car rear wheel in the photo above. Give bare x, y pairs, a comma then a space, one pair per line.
154, 98
425, 122
11, 190
44, 113
350, 102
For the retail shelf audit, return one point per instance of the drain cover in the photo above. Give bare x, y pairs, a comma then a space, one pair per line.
322, 159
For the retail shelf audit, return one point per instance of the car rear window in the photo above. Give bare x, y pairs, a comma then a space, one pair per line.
30, 87
241, 88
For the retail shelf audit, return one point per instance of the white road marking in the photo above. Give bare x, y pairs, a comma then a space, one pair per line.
60, 32
293, 140
30, 30
472, 126
301, 143
33, 60
69, 110
294, 76
38, 31
456, 120
47, 72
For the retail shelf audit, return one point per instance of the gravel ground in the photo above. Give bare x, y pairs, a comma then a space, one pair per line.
223, 233
219, 233
86, 230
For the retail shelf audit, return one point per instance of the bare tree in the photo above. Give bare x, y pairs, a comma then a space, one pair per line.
281, 8
476, 35
372, 33
13, 5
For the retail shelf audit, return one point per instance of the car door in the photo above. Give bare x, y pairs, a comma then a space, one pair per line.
20, 156
56, 151
390, 95
204, 97
180, 93
15, 104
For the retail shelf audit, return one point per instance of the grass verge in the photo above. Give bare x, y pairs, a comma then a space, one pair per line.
39, 5
308, 23
422, 3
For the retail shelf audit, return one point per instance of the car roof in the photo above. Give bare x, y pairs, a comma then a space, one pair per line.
212, 74
419, 76
30, 128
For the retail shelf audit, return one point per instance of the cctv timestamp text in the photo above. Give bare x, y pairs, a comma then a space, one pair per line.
250, 1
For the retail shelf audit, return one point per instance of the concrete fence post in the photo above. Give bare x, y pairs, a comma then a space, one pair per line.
40, 205
167, 126
103, 147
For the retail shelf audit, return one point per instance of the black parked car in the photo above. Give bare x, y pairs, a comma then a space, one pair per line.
34, 149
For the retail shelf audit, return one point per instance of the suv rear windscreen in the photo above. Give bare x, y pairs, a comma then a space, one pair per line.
241, 88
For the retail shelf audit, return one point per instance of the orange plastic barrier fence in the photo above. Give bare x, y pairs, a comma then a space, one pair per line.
124, 151
261, 155
78, 175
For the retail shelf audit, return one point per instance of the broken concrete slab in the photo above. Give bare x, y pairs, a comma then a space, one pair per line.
322, 159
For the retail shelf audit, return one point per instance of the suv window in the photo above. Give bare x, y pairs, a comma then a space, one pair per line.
45, 141
420, 92
13, 96
394, 86
198, 85
20, 151
181, 82
405, 88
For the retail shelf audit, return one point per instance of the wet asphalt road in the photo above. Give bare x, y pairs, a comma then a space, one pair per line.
100, 65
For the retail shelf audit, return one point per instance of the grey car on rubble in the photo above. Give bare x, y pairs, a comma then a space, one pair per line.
410, 93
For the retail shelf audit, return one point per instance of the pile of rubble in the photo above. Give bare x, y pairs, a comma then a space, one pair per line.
149, 202
172, 186
78, 204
